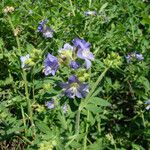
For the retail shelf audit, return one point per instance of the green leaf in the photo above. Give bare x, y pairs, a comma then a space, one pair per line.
15, 129
99, 101
144, 81
145, 20
93, 108
96, 145
103, 7
91, 119
137, 147
97, 92
43, 127
62, 121
75, 144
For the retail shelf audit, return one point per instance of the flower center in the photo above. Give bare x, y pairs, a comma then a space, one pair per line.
73, 88
85, 53
74, 85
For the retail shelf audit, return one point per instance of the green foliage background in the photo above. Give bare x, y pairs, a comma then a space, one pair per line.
116, 117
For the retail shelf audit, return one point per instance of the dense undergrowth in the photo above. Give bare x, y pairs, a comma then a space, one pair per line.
92, 93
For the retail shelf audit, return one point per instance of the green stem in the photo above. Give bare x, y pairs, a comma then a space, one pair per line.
133, 35
85, 101
33, 90
72, 8
72, 139
96, 84
23, 117
78, 121
25, 139
114, 143
99, 127
28, 100
90, 2
86, 130
13, 29
143, 119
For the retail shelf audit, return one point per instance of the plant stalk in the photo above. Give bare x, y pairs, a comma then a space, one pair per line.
72, 8
85, 101
86, 130
30, 114
78, 121
13, 29
90, 2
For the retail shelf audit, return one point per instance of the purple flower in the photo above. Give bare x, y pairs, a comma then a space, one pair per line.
148, 107
133, 55
139, 56
148, 103
23, 60
50, 104
81, 43
86, 55
74, 64
90, 13
67, 47
128, 58
46, 30
75, 88
41, 25
83, 51
51, 65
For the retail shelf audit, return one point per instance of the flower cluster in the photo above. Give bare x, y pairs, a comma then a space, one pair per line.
68, 54
113, 60
30, 60
45, 29
8, 9
17, 31
77, 58
133, 56
74, 57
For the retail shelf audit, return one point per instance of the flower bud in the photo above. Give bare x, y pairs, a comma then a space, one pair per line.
8, 9
113, 60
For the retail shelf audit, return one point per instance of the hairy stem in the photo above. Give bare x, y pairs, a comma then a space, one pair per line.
23, 117
78, 121
143, 119
86, 130
28, 101
13, 29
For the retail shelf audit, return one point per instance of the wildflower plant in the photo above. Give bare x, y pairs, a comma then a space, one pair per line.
69, 54
74, 75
